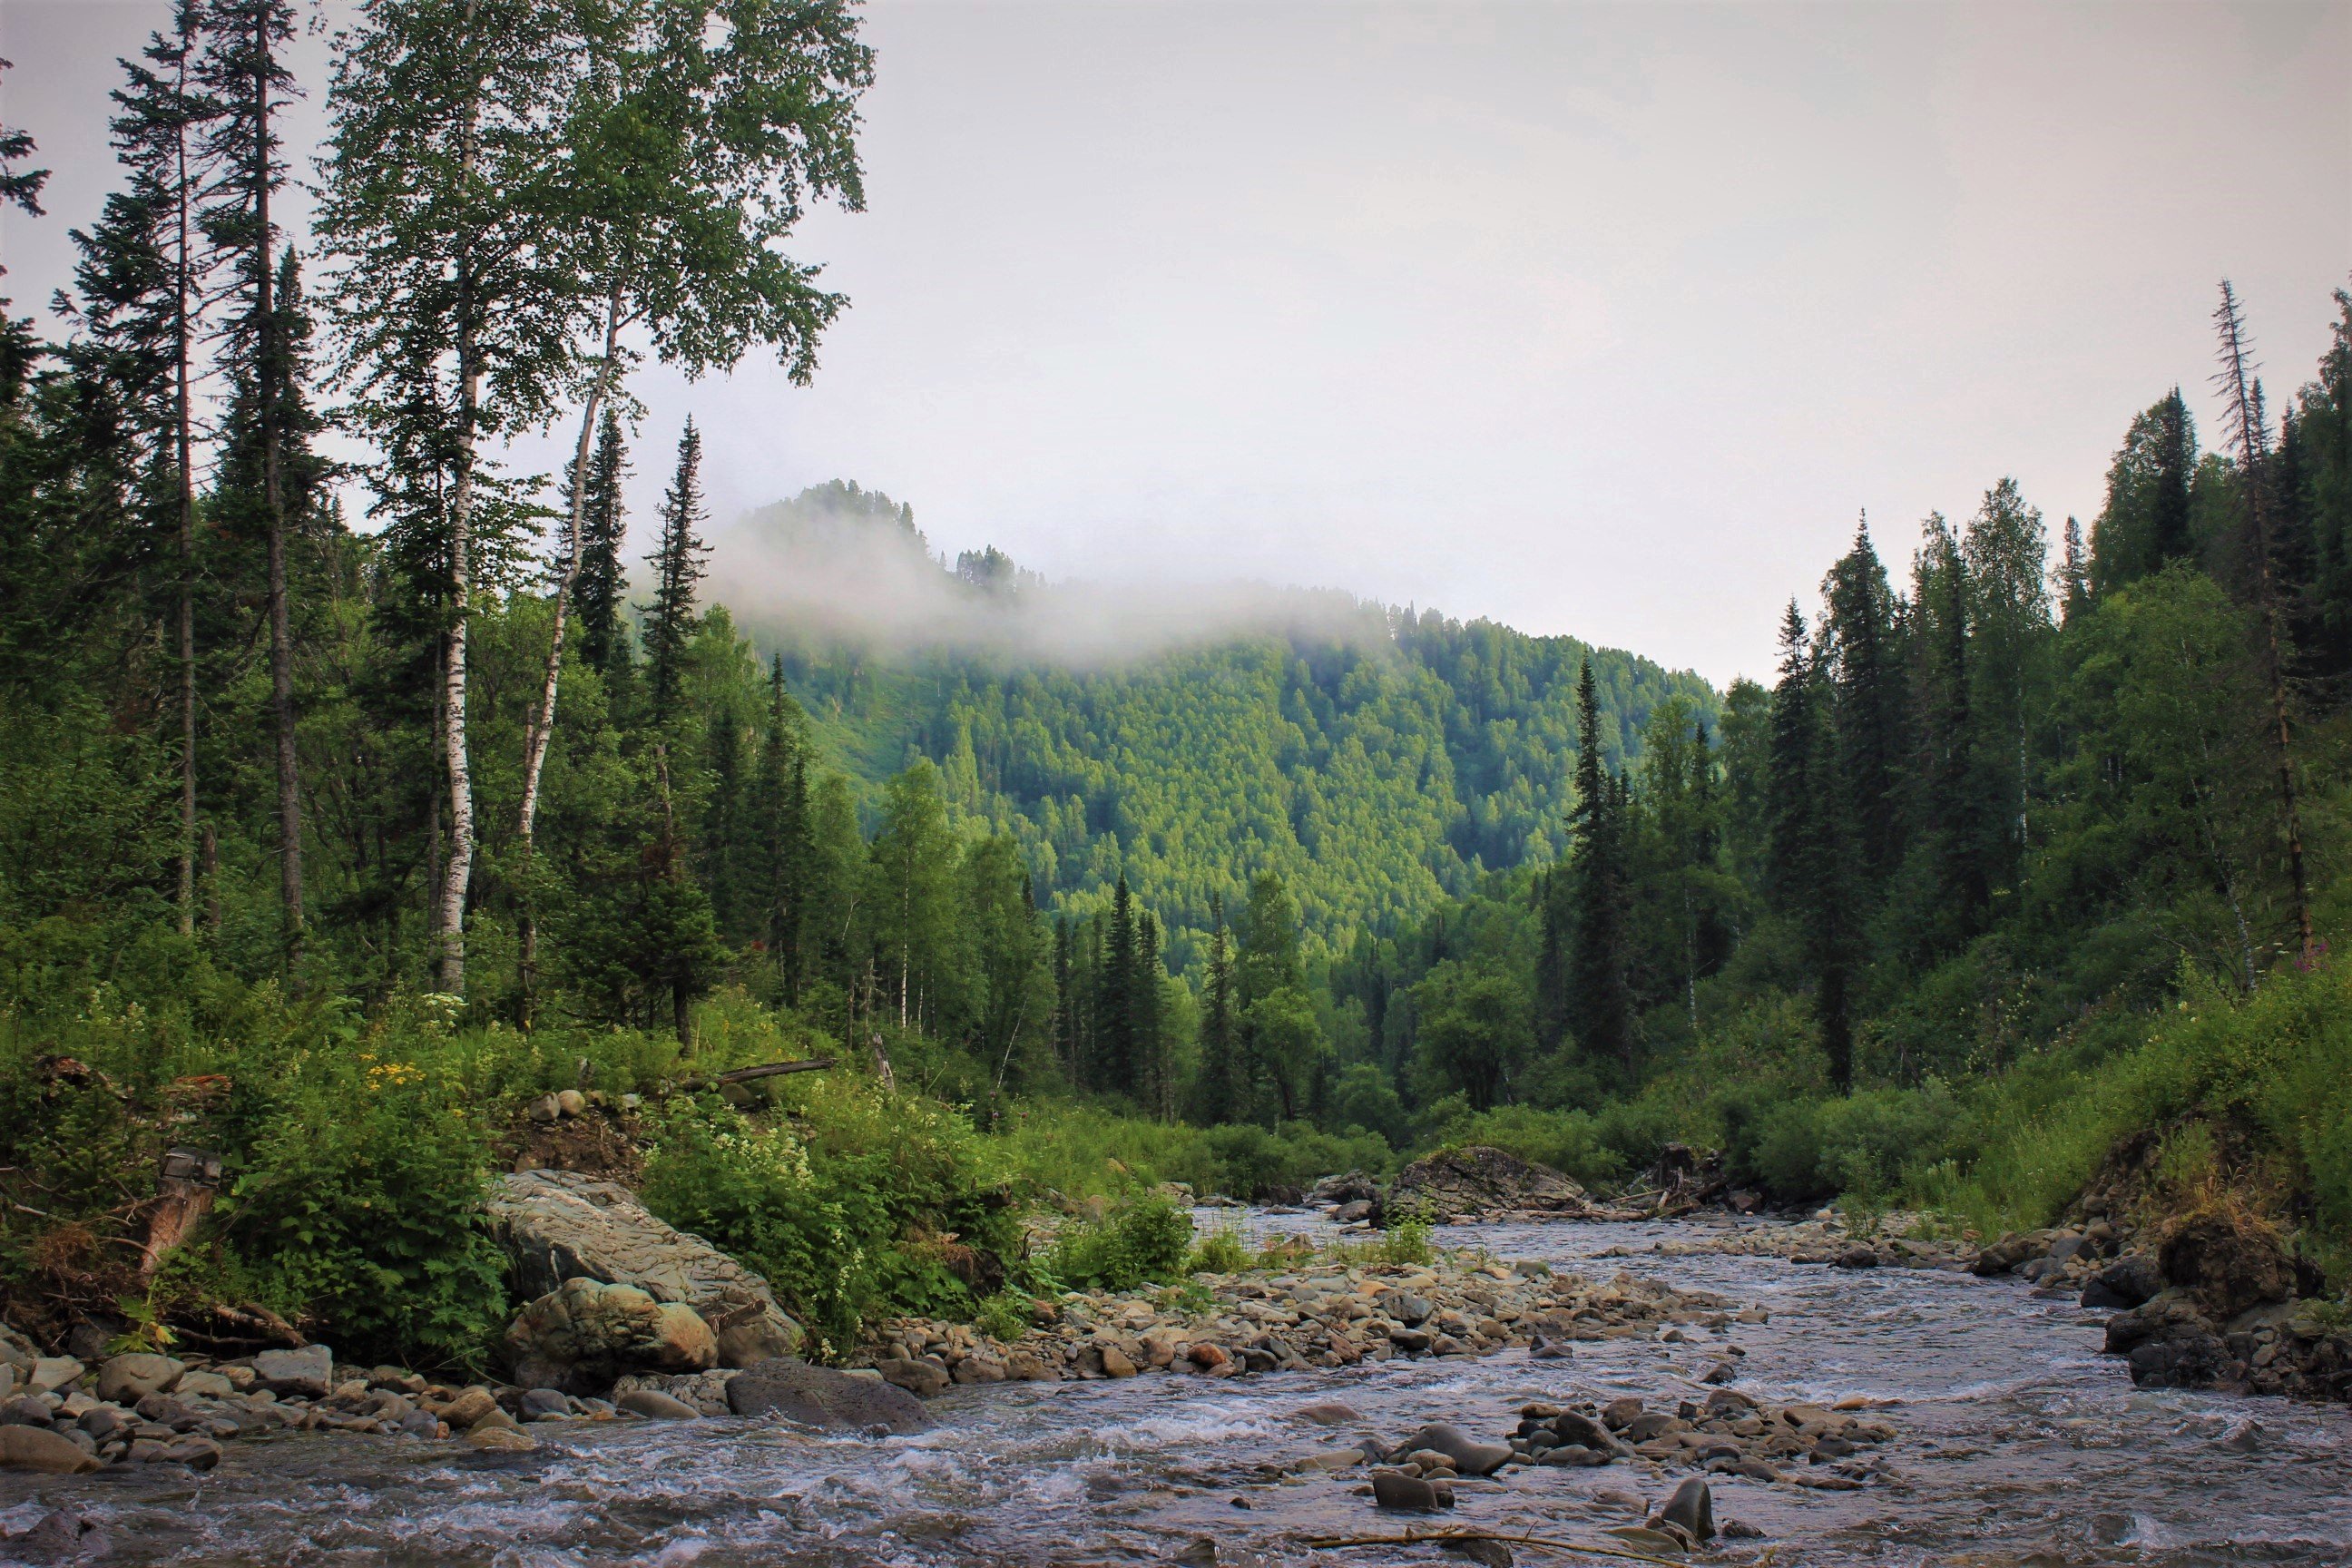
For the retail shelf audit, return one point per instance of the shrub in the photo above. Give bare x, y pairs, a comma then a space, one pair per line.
863, 1203
1146, 1242
1219, 1252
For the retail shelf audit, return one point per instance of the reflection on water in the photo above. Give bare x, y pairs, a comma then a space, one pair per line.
2017, 1444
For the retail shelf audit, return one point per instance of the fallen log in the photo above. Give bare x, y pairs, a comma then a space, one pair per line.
749, 1075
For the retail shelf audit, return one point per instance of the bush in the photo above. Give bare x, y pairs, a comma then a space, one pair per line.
1219, 1252
1147, 1242
864, 1203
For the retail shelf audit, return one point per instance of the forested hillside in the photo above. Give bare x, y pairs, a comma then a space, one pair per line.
1377, 760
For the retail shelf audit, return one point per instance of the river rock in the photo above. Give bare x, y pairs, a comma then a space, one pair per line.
501, 1440
1477, 1179
1329, 1413
38, 1449
1692, 1506
309, 1372
820, 1397
1352, 1188
1394, 1489
656, 1407
51, 1373
2125, 1283
2228, 1260
556, 1226
585, 1333
127, 1379
57, 1536
921, 1376
1469, 1455
203, 1385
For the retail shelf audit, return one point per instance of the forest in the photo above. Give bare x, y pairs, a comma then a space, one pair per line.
344, 804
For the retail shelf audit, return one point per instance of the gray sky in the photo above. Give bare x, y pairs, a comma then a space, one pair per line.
1600, 319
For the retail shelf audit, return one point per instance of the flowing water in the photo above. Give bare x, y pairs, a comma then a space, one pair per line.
2019, 1444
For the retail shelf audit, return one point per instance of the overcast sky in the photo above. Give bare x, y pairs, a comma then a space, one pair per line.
1605, 320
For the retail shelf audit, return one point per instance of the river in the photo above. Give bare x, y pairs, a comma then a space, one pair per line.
2019, 1445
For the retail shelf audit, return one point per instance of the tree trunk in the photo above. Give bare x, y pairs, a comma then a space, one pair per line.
267, 372
539, 729
183, 420
459, 870
2254, 441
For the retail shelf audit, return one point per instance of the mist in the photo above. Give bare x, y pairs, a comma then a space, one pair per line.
843, 566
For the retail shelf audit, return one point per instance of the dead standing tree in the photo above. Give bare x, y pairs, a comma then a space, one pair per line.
2249, 433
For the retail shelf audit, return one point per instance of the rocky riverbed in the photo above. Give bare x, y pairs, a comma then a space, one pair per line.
1981, 1425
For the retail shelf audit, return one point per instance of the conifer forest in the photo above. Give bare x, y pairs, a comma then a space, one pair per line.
385, 824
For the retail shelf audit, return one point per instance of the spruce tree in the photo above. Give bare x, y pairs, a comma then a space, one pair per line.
1115, 1056
678, 566
604, 521
1868, 705
1600, 996
1219, 1092
141, 284
243, 69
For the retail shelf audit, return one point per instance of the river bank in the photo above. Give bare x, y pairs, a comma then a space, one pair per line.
2012, 1434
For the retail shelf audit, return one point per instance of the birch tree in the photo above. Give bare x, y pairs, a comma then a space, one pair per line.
441, 216
700, 130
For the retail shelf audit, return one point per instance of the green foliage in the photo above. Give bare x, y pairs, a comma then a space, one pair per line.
859, 1202
1004, 1316
1146, 1242
1220, 1251
361, 1204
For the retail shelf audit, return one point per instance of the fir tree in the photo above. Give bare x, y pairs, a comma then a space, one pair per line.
1868, 704
1115, 1055
678, 566
243, 67
1600, 997
1218, 1090
603, 636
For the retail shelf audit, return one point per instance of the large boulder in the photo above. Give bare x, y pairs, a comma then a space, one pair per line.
556, 1226
2228, 1260
1477, 1179
820, 1397
2129, 1281
585, 1333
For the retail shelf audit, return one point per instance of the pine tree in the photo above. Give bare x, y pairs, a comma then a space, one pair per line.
242, 67
781, 870
1868, 705
2249, 431
1116, 1057
1600, 994
678, 566
1155, 1083
603, 521
1811, 879
1065, 1000
141, 283
1960, 820
2073, 576
1219, 1092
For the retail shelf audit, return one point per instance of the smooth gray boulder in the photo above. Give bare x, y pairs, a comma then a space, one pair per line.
555, 1226
128, 1379
820, 1397
309, 1372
